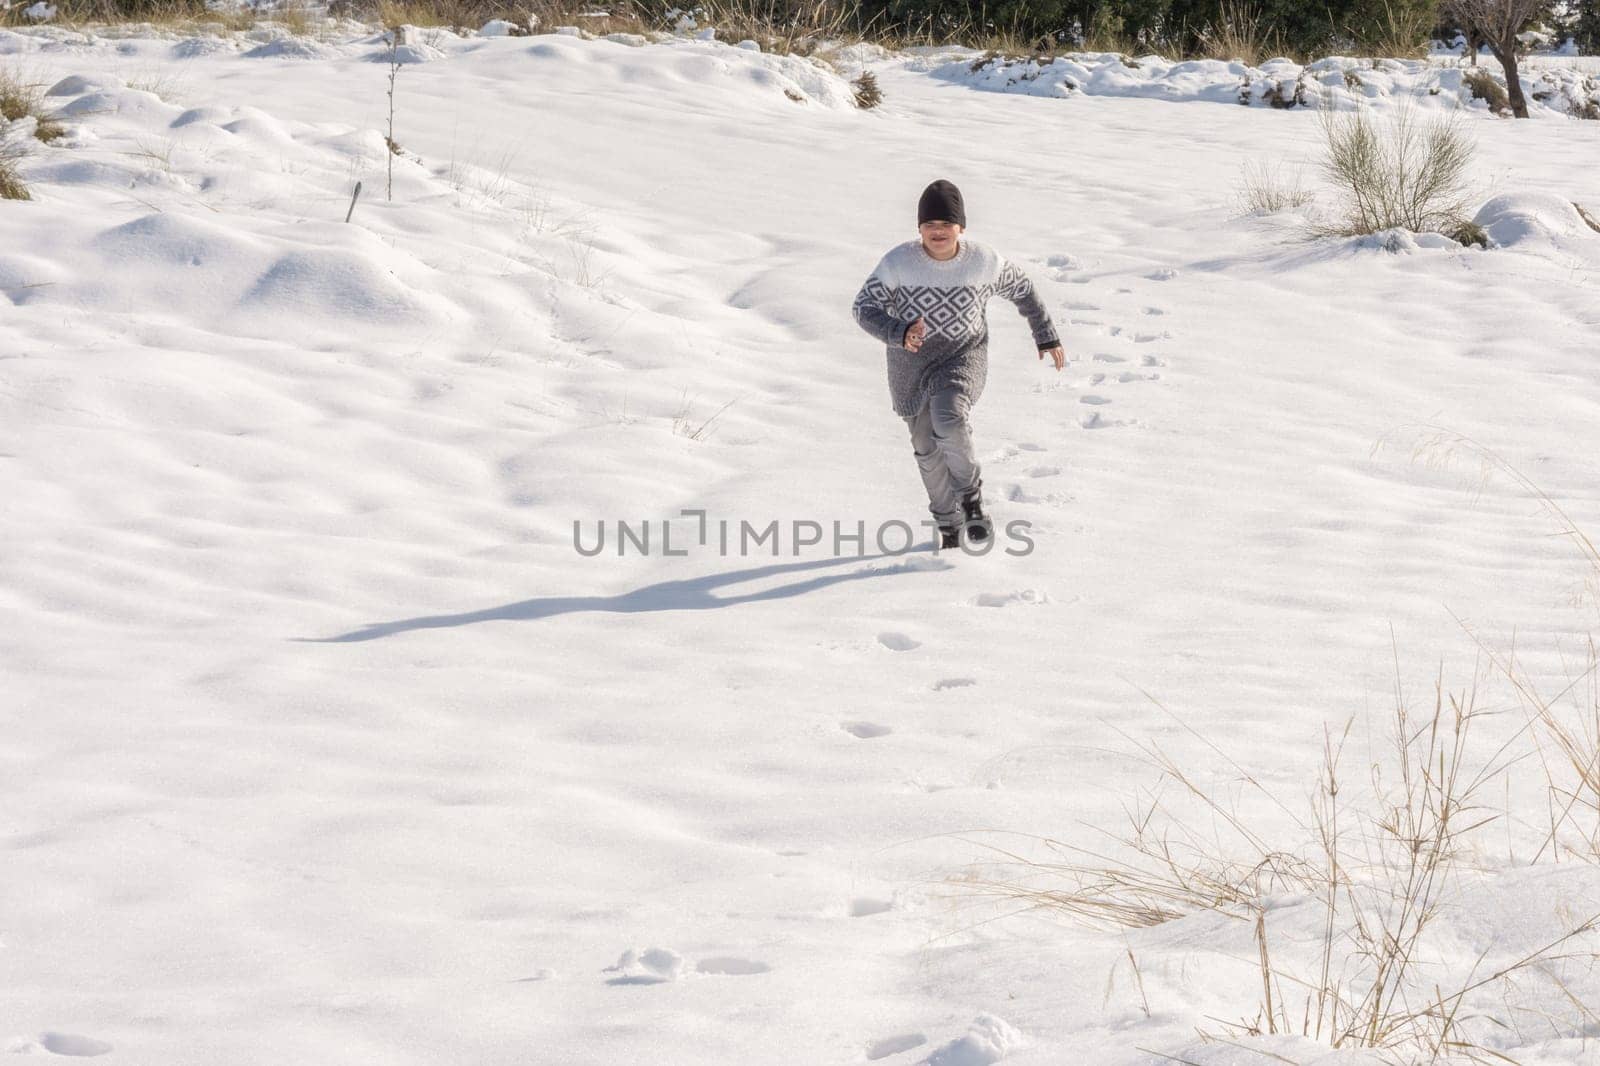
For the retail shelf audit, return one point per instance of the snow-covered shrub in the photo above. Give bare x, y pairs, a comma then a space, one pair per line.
1484, 87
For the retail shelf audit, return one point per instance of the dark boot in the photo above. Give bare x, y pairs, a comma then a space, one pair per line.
949, 537
977, 523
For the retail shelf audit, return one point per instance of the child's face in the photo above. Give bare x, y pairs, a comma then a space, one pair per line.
940, 238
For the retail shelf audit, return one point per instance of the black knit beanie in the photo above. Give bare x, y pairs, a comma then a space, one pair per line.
941, 202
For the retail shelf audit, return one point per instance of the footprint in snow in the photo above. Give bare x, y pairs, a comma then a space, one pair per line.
1018, 494
659, 965
73, 1044
1095, 420
1165, 274
865, 908
1107, 357
1128, 375
1154, 311
1029, 447
898, 641
953, 682
1093, 400
1031, 597
1146, 338
1044, 471
1080, 305
865, 730
894, 1045
1150, 360
653, 966
537, 975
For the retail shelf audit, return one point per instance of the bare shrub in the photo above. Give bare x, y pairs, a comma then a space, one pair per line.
1407, 173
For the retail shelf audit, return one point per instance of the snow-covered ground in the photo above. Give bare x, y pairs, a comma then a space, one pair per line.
1556, 87
320, 741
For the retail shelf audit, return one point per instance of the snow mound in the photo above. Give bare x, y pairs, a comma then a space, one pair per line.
412, 49
337, 282
79, 84
170, 238
1403, 241
1522, 219
706, 65
855, 56
290, 47
197, 47
989, 1040
210, 116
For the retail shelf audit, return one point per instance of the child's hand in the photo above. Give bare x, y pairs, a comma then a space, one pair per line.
915, 335
1056, 354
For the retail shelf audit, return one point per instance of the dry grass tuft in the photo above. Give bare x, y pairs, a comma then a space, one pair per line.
12, 186
20, 99
1265, 190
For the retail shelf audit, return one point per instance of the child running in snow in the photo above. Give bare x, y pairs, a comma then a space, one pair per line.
926, 301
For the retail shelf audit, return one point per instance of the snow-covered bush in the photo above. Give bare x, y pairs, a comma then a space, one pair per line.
1484, 87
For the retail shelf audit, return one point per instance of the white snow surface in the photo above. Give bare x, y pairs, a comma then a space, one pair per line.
320, 742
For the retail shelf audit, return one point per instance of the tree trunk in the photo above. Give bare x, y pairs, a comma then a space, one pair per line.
1506, 53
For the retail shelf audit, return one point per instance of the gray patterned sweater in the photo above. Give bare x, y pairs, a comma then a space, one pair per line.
908, 283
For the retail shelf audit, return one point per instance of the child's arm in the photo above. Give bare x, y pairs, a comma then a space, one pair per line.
871, 311
1014, 285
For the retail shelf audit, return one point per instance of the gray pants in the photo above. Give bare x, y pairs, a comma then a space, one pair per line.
942, 441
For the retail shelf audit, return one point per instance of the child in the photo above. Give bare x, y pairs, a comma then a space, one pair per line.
925, 300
